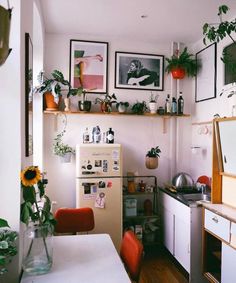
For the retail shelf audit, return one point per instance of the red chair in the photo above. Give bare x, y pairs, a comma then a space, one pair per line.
73, 220
131, 253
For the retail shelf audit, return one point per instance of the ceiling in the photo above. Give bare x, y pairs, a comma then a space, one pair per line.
163, 21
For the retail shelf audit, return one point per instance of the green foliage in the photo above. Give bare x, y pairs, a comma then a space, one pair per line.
7, 245
184, 60
154, 152
139, 108
59, 148
106, 99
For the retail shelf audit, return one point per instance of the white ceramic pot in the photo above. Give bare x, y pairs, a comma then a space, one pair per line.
153, 107
121, 108
66, 158
67, 104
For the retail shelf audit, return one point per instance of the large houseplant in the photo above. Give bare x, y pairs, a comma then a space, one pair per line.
8, 247
181, 64
36, 214
152, 157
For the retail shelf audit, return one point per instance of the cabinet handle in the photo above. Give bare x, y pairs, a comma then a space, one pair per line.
215, 219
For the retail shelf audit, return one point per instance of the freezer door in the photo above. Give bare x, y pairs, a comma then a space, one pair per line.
104, 196
97, 160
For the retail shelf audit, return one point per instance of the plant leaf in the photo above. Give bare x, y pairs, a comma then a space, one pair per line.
3, 223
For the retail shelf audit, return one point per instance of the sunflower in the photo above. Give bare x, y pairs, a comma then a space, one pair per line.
30, 176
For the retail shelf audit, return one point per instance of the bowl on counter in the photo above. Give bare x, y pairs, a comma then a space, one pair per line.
182, 180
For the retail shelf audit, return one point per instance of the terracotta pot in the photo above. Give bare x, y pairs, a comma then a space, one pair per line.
105, 107
178, 73
151, 162
51, 105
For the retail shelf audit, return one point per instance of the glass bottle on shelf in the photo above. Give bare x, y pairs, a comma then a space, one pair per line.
86, 136
174, 106
110, 136
167, 105
97, 135
180, 104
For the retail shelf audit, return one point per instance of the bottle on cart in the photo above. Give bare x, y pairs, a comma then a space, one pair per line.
110, 136
180, 104
97, 135
167, 105
86, 138
174, 106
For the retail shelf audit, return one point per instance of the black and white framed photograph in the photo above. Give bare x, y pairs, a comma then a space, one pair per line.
139, 71
205, 82
88, 65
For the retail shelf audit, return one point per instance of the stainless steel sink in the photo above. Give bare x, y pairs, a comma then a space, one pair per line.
196, 197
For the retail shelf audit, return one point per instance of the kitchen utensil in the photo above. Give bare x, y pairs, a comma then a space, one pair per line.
182, 179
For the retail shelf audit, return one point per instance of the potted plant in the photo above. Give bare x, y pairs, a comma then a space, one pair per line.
152, 157
36, 214
106, 102
139, 108
153, 103
52, 89
122, 106
181, 64
84, 104
64, 151
8, 247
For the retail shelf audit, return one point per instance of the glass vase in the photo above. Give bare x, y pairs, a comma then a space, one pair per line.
37, 249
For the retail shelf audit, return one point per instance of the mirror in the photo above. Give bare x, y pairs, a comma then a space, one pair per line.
28, 96
226, 144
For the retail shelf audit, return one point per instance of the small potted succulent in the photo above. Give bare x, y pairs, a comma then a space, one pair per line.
139, 108
181, 64
122, 106
106, 102
152, 157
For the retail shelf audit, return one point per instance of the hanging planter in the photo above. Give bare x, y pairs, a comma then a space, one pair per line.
152, 157
66, 158
178, 73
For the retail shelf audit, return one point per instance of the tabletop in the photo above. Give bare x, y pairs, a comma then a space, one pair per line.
83, 259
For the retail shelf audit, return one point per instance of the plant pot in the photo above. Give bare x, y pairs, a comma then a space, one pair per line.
122, 108
105, 107
153, 107
37, 249
51, 105
66, 158
151, 162
85, 105
178, 73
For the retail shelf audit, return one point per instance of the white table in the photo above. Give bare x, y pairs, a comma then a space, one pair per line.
83, 259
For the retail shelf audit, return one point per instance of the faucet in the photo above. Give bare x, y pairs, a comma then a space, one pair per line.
203, 189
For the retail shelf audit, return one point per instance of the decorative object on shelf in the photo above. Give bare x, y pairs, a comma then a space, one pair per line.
122, 106
150, 227
139, 108
64, 151
5, 24
181, 64
67, 104
106, 102
152, 157
84, 104
110, 136
147, 207
206, 88
89, 65
36, 214
8, 247
168, 105
161, 111
52, 88
28, 95
180, 103
153, 103
139, 71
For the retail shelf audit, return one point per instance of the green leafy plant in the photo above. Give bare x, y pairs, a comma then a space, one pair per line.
55, 85
60, 148
139, 108
154, 152
8, 247
106, 99
125, 104
183, 60
153, 98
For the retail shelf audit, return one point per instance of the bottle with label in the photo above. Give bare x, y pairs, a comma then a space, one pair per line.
167, 105
110, 136
174, 106
180, 104
86, 136
97, 135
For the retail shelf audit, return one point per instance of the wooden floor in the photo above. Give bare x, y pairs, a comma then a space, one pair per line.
160, 267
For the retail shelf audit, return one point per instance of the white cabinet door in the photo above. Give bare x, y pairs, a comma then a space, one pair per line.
168, 229
228, 260
182, 242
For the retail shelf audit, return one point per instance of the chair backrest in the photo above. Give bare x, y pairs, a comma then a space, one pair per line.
73, 220
131, 253
204, 180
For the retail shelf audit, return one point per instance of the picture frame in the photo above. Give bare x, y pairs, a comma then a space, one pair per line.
139, 71
205, 81
89, 65
28, 95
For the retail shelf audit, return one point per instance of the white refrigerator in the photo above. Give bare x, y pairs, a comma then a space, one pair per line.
99, 186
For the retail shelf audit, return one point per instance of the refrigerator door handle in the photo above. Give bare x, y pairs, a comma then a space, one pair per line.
89, 172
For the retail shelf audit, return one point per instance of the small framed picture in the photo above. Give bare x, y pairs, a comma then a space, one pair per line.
88, 65
139, 71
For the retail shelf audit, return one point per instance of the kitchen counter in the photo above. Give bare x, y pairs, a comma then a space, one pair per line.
224, 210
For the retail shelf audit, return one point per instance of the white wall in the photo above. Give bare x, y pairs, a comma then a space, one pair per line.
136, 134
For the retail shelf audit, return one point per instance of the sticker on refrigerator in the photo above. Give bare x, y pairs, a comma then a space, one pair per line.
90, 190
104, 165
115, 165
109, 184
98, 163
101, 184
115, 154
100, 200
